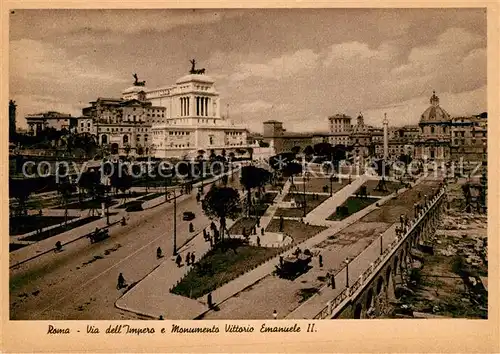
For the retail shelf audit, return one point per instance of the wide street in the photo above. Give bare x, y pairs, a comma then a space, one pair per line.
80, 282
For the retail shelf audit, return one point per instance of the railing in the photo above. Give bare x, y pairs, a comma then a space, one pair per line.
364, 278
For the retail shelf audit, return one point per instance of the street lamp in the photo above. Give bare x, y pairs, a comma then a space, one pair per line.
175, 224
346, 272
304, 190
331, 184
381, 244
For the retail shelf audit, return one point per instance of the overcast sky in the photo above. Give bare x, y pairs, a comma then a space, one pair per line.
298, 66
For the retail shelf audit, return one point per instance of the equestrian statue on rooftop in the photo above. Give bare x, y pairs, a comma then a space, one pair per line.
195, 71
137, 82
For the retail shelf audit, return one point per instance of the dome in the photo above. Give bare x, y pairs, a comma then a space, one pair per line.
195, 77
434, 113
134, 89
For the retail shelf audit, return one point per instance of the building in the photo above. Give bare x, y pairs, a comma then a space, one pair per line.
122, 124
361, 138
12, 119
191, 120
55, 120
85, 125
469, 138
340, 129
435, 133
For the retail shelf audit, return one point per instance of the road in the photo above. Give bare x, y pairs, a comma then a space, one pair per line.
80, 282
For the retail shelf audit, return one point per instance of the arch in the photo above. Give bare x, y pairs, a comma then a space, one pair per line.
125, 139
369, 299
104, 139
380, 284
114, 148
357, 311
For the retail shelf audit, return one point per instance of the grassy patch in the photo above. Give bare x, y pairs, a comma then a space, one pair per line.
220, 265
269, 197
247, 223
353, 204
19, 225
151, 196
89, 204
60, 229
298, 231
15, 246
391, 187
311, 204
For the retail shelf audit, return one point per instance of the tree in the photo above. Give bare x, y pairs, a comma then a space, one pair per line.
20, 189
308, 150
231, 156
253, 177
291, 169
221, 203
250, 152
66, 189
323, 149
296, 149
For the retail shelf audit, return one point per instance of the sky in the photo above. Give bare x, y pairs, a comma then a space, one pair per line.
298, 66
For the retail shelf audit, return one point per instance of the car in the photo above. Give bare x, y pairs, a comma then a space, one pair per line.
188, 215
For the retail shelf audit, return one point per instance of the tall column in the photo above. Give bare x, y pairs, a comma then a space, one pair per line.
187, 106
197, 106
206, 106
202, 107
386, 137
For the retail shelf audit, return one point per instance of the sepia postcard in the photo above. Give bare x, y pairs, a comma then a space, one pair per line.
268, 178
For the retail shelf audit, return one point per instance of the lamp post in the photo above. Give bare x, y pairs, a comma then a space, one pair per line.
175, 225
304, 190
346, 272
331, 184
381, 244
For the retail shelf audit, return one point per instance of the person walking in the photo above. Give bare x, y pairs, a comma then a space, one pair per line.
275, 314
210, 301
188, 258
159, 253
192, 258
178, 260
258, 241
332, 280
121, 281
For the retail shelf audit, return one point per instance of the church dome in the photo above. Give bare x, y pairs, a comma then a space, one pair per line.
434, 113
195, 77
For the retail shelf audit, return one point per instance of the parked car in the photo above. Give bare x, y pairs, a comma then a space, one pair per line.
188, 215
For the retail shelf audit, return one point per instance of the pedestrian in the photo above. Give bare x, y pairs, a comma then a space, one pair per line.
178, 260
332, 281
320, 259
191, 227
161, 318
258, 222
209, 300
121, 281
210, 239
258, 241
188, 258
262, 231
281, 261
275, 314
192, 258
40, 212
158, 253
328, 279
205, 234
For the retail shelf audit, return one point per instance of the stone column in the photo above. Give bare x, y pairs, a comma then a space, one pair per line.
386, 137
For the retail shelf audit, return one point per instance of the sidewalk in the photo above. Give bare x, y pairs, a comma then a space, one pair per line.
357, 266
319, 215
151, 296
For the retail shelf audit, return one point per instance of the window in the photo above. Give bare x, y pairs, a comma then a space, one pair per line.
432, 130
